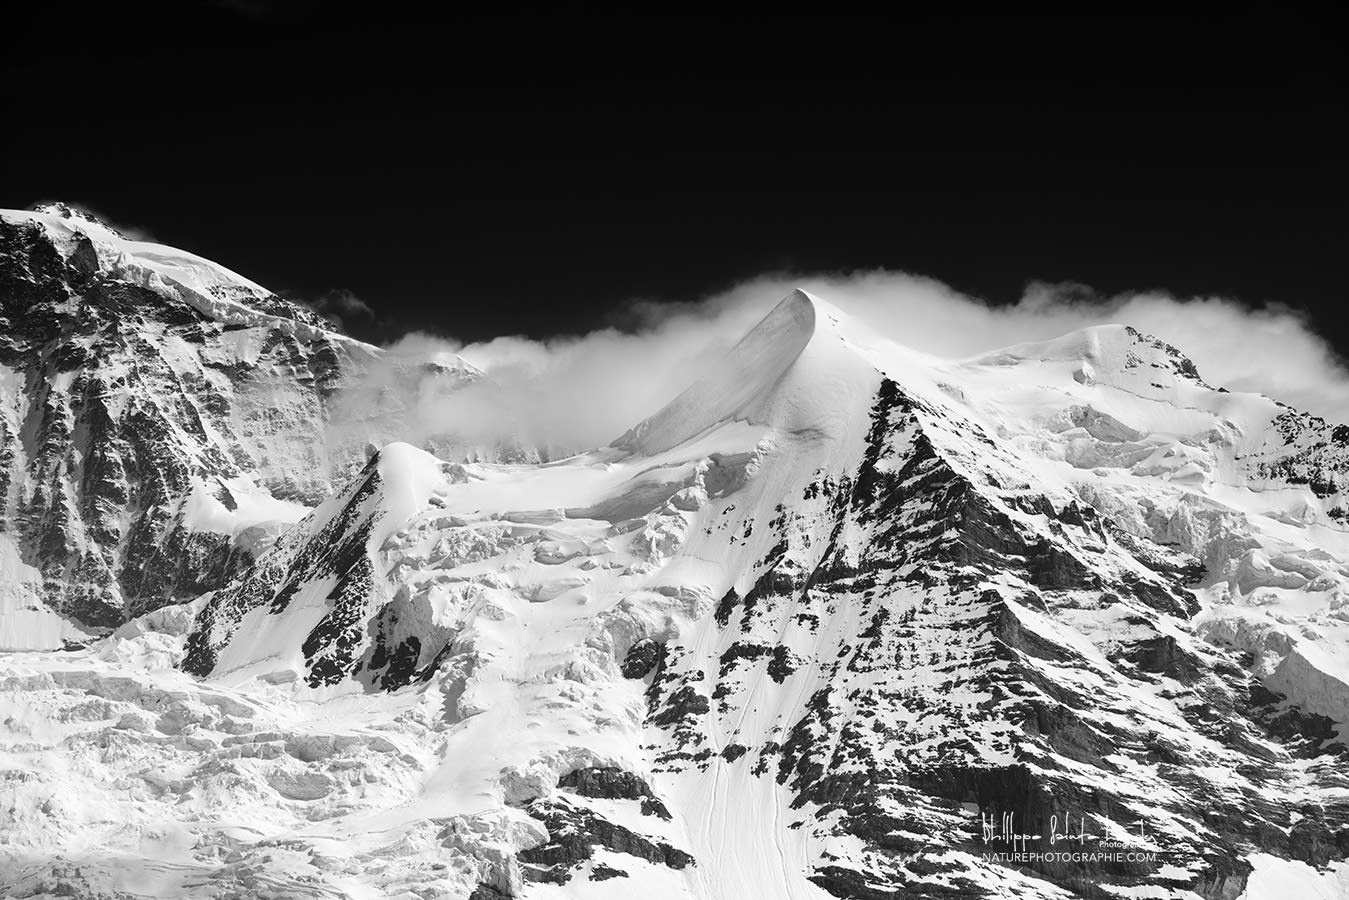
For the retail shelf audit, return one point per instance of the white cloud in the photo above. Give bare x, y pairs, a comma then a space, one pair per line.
341, 306
578, 392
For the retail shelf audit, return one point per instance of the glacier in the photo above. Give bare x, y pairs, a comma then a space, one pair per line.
799, 634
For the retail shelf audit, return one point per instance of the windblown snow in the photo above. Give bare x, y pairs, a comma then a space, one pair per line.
799, 634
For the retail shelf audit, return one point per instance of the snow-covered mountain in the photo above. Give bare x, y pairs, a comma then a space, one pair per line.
839, 621
161, 420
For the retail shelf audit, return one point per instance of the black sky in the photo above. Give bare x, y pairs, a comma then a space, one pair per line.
476, 190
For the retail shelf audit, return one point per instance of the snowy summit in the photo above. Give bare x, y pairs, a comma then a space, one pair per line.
842, 620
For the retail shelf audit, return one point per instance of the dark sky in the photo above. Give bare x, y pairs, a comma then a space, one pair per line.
455, 185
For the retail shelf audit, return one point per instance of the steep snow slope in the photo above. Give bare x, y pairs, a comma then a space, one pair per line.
161, 420
1249, 487
809, 631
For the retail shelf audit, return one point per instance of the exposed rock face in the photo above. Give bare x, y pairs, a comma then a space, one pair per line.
574, 834
333, 550
915, 629
946, 676
612, 783
839, 621
577, 830
161, 419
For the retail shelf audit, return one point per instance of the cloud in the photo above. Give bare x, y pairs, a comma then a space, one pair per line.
341, 306
562, 395
570, 394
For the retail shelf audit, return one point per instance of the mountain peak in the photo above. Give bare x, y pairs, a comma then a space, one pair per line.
214, 290
735, 387
63, 210
1114, 354
836, 592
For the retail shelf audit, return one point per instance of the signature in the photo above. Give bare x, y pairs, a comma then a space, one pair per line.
1004, 829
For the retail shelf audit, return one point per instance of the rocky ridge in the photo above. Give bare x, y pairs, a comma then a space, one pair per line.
162, 419
840, 621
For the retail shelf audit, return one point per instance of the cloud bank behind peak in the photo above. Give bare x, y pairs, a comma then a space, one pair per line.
572, 393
